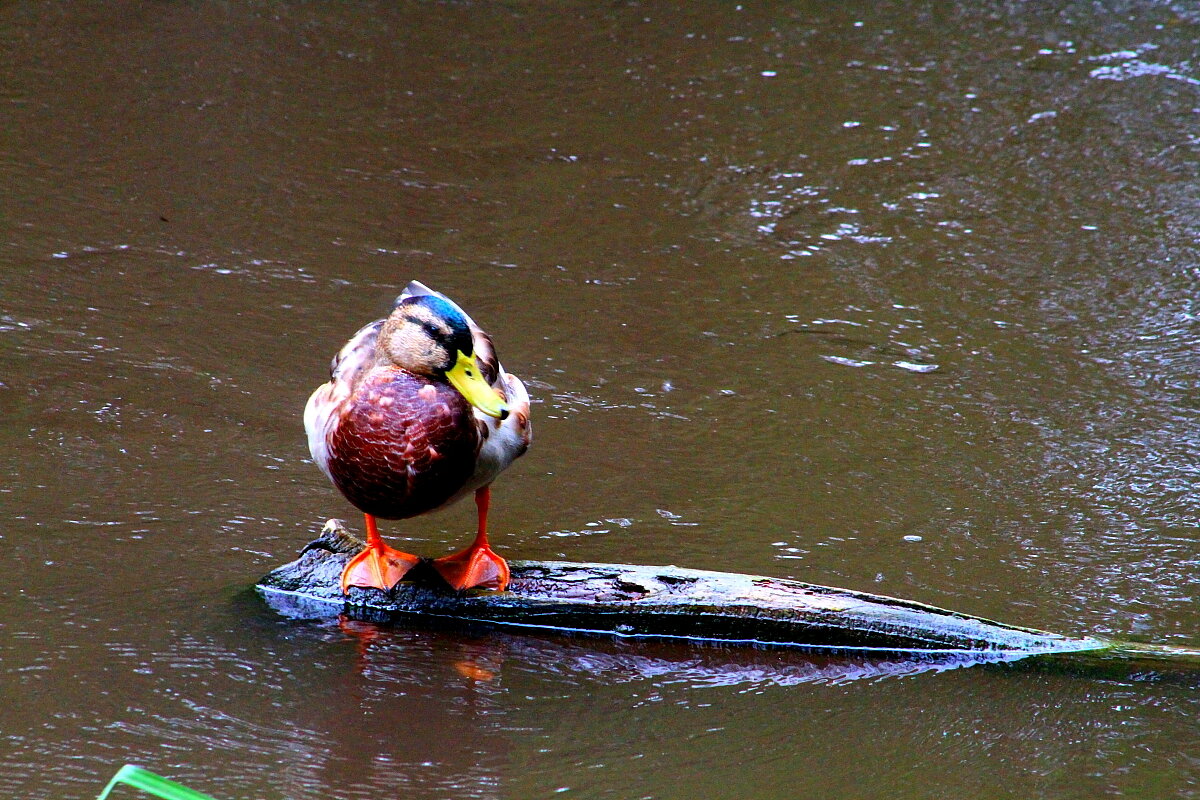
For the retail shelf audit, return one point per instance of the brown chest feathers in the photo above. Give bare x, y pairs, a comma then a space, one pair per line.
404, 444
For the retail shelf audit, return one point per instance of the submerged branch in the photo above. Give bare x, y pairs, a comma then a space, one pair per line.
671, 602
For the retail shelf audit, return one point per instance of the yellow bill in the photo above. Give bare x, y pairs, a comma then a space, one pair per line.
466, 377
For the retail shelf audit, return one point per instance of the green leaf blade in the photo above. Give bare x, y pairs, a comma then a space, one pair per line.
149, 782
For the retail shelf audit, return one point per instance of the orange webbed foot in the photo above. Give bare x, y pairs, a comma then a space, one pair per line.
478, 565
377, 566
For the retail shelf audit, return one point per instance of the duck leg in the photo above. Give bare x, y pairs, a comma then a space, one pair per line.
378, 565
478, 565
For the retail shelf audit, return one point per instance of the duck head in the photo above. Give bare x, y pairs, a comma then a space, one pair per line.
428, 336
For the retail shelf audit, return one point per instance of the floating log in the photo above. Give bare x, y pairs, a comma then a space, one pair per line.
670, 602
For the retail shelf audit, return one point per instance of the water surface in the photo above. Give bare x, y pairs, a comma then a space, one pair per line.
894, 297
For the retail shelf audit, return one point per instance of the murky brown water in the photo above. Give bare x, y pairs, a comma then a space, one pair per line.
793, 285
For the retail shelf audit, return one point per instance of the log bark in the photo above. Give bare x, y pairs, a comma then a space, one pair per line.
671, 602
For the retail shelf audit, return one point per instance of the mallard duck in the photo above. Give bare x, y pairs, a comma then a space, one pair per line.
418, 413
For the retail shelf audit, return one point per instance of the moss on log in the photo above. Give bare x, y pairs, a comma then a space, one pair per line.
671, 602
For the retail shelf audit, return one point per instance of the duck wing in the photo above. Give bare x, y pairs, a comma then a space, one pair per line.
324, 407
356, 356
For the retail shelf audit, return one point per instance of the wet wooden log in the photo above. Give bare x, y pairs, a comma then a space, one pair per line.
671, 602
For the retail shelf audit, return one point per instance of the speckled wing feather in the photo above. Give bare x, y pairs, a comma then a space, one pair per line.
356, 356
346, 371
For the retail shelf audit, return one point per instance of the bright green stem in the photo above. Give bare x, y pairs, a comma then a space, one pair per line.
153, 784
